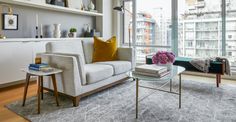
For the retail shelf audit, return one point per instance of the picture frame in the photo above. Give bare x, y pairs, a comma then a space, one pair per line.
76, 4
62, 3
10, 22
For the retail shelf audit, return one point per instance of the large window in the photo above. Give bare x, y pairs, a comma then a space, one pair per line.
231, 31
153, 22
199, 28
203, 28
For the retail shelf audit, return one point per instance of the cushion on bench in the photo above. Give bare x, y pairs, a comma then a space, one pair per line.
215, 66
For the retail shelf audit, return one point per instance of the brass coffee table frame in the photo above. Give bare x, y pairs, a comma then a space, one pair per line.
158, 89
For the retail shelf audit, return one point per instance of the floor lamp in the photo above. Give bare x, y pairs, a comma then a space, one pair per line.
122, 9
10, 12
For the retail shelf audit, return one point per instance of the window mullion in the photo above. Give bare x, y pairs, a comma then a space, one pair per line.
223, 16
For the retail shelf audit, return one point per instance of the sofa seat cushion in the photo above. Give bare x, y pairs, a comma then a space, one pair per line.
119, 66
97, 72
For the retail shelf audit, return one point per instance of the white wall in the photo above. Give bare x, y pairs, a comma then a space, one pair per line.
107, 18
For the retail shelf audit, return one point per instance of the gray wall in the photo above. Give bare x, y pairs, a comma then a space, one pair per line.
26, 26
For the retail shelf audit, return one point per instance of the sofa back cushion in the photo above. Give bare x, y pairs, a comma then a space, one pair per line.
88, 50
68, 47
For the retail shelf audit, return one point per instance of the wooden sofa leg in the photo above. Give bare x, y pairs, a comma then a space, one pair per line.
76, 101
217, 80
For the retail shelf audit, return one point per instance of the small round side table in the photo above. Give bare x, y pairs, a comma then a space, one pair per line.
40, 75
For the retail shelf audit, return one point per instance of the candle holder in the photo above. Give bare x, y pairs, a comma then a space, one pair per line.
37, 29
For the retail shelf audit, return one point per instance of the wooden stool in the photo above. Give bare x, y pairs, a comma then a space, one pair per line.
40, 75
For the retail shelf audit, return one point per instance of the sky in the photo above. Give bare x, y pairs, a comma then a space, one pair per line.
150, 6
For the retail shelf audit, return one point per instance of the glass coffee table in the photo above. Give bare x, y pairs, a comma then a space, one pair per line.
174, 71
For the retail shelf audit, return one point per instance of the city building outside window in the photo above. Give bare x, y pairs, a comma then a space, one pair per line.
199, 28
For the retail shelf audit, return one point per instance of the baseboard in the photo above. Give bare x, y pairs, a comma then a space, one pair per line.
14, 83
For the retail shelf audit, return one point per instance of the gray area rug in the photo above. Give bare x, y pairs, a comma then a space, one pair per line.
201, 102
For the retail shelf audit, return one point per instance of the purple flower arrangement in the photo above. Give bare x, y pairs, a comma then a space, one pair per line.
163, 57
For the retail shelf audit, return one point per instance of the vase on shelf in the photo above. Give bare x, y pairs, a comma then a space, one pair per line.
91, 6
57, 31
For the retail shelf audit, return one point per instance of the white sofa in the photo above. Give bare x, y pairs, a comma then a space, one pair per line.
80, 76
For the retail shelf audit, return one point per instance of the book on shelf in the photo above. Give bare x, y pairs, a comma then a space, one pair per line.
152, 74
153, 69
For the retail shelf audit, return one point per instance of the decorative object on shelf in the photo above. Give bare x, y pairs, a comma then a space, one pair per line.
76, 4
73, 33
38, 1
90, 32
64, 34
37, 26
63, 3
83, 7
10, 22
10, 12
47, 31
87, 31
164, 58
41, 30
91, 6
57, 31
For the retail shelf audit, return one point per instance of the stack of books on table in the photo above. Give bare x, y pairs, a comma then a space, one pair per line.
151, 70
40, 67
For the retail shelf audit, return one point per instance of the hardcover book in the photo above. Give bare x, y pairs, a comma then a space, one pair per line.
153, 69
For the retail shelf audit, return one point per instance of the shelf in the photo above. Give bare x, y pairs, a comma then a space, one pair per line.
52, 7
40, 39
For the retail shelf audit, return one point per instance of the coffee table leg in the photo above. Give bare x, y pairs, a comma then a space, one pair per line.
41, 87
26, 88
38, 93
137, 97
55, 88
170, 85
180, 90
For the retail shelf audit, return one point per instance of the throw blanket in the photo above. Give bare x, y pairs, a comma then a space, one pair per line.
203, 64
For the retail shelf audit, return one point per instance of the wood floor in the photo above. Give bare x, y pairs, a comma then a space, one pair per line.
14, 93
10, 94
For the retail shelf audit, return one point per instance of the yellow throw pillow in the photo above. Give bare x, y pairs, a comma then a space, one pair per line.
104, 50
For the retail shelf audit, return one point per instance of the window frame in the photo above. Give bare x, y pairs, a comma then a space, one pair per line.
174, 27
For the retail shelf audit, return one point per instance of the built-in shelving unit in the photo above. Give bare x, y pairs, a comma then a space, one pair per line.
99, 16
52, 7
7, 40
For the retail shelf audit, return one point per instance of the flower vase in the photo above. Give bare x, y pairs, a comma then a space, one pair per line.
91, 6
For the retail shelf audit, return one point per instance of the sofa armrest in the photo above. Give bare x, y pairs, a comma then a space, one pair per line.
126, 54
73, 76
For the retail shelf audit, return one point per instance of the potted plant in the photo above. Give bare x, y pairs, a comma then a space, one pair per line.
73, 32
